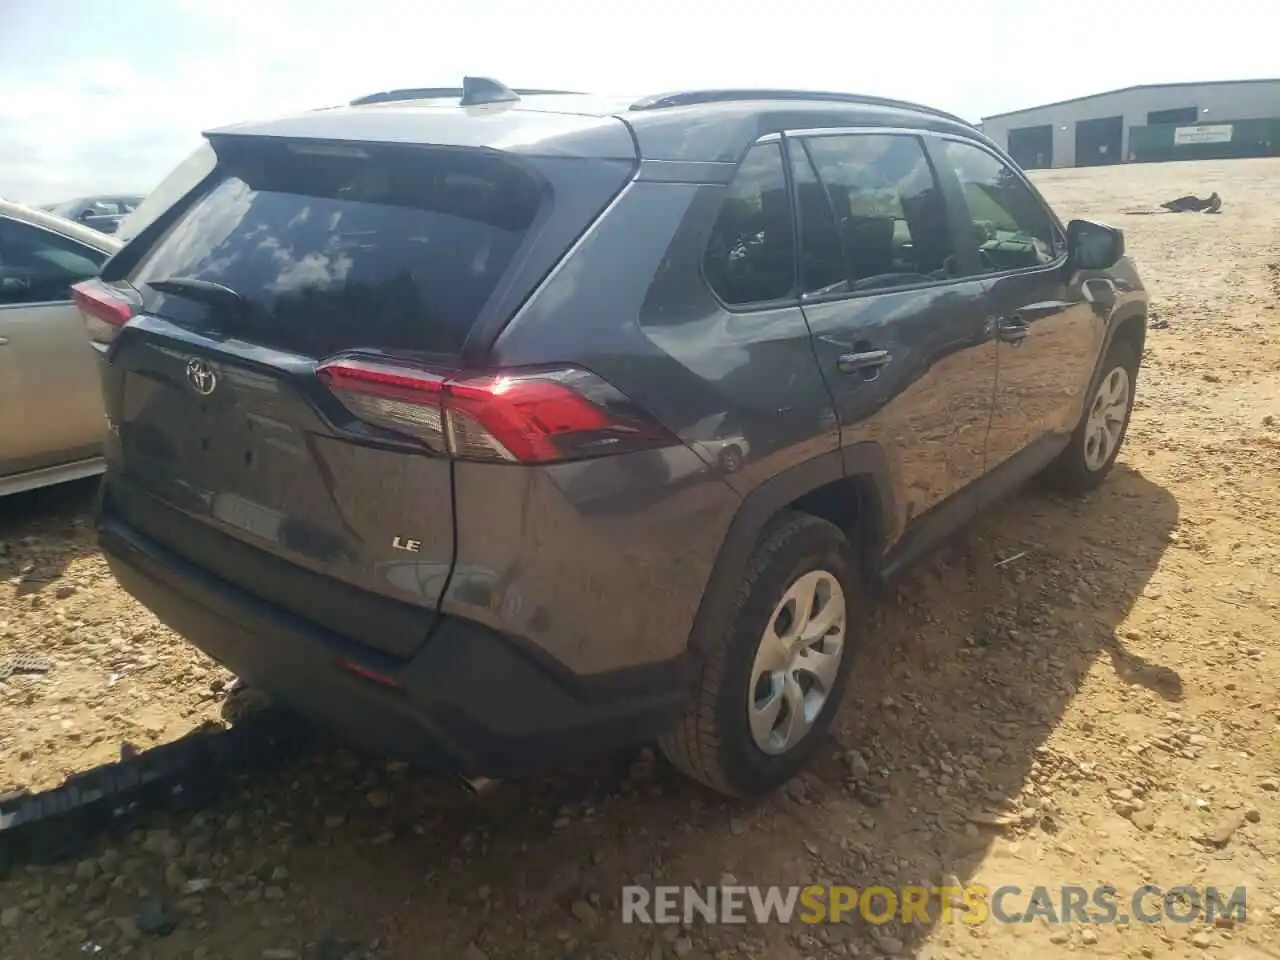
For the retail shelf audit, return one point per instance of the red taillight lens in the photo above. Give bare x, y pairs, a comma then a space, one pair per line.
538, 416
531, 420
401, 399
105, 308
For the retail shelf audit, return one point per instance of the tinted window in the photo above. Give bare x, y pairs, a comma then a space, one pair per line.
751, 255
1176, 115
339, 248
821, 253
1012, 229
37, 266
890, 214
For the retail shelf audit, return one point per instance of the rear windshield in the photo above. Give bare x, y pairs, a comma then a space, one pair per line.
333, 247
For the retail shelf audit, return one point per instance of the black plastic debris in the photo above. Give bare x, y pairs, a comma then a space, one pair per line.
191, 772
1193, 204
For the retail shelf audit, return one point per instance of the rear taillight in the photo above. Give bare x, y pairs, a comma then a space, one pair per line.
105, 308
534, 416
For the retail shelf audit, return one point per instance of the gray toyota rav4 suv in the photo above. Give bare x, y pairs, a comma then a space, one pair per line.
495, 428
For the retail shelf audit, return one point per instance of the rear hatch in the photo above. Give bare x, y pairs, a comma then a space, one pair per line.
293, 260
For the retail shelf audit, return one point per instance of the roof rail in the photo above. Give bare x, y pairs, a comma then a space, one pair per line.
474, 91
686, 98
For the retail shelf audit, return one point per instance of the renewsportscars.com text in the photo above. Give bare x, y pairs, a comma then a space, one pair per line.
916, 904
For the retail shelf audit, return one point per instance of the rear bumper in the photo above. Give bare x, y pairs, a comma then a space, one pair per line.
470, 702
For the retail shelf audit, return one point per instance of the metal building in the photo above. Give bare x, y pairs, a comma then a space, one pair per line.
1163, 121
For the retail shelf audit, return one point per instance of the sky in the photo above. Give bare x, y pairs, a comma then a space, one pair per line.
100, 96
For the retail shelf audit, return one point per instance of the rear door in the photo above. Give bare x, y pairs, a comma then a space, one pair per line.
231, 450
49, 391
898, 332
1048, 331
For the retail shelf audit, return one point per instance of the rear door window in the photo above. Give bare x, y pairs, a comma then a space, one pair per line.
822, 259
889, 212
333, 247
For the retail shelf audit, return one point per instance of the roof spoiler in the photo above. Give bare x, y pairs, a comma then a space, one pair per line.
474, 91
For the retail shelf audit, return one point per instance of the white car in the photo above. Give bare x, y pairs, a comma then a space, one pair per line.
725, 449
51, 415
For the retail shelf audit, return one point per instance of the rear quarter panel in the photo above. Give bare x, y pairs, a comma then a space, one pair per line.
604, 563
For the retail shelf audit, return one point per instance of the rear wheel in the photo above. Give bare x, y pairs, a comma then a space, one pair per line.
1097, 440
773, 681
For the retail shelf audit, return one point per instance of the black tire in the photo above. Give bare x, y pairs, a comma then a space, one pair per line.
1070, 473
712, 742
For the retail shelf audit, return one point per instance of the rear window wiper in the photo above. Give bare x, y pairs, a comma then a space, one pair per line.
204, 291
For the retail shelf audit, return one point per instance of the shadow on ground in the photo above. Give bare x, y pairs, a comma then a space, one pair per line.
968, 671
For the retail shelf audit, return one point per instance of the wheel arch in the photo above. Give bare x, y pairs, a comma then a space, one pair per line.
1128, 325
848, 488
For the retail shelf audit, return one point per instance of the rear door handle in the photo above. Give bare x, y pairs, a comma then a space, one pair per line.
1012, 329
864, 362
3, 341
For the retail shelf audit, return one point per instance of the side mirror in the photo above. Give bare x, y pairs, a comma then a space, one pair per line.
85, 215
1093, 246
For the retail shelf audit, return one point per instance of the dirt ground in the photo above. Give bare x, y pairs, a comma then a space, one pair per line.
1112, 691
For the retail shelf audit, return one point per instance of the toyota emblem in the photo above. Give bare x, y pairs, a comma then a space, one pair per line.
201, 376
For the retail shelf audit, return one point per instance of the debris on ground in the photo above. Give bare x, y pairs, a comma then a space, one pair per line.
1193, 204
1189, 203
24, 663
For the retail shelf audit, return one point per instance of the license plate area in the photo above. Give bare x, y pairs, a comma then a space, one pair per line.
248, 516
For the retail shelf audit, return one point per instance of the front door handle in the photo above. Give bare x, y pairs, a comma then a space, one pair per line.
1012, 329
868, 361
4, 341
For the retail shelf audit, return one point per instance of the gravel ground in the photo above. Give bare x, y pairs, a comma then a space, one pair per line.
1100, 710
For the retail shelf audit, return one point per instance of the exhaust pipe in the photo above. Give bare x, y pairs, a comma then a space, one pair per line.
478, 786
